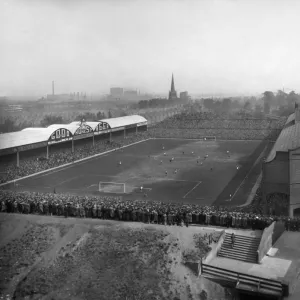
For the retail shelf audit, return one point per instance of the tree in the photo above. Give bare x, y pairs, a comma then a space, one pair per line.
109, 114
51, 119
100, 115
280, 98
208, 103
291, 99
268, 98
258, 111
226, 104
8, 126
248, 105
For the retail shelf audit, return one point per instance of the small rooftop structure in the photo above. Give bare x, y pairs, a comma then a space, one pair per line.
289, 139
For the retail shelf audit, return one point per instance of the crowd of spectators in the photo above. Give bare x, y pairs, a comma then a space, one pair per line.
199, 124
34, 164
115, 208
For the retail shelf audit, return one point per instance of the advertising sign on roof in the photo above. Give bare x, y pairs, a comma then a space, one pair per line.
101, 126
84, 129
59, 136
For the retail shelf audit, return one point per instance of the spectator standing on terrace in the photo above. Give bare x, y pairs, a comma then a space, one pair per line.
232, 240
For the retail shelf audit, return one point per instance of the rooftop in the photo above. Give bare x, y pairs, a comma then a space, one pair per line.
289, 139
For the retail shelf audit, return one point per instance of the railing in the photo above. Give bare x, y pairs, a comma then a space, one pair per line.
253, 280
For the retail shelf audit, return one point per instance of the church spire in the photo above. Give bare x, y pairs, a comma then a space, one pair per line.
172, 84
172, 93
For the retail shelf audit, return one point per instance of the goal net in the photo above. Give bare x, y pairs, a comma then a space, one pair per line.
111, 187
209, 138
143, 190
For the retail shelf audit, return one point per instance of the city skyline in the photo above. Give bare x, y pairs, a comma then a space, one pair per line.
212, 47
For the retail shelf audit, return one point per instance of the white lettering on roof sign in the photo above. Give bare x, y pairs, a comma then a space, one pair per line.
83, 129
101, 126
59, 134
60, 141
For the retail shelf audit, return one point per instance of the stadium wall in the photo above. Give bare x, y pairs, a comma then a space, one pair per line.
265, 242
294, 185
276, 174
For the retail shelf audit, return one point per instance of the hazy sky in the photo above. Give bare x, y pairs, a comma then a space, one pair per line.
230, 46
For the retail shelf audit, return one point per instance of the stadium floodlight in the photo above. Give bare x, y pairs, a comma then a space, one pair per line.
112, 187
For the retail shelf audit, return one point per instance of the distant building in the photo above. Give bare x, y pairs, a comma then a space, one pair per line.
173, 93
59, 97
116, 92
184, 96
130, 93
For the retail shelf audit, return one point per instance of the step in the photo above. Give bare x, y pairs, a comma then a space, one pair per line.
252, 254
249, 260
241, 237
235, 256
244, 236
238, 253
240, 244
244, 240
240, 249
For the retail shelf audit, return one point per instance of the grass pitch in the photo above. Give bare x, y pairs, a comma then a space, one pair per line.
190, 177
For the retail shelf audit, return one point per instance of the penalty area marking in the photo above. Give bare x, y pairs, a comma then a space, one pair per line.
91, 186
192, 189
67, 180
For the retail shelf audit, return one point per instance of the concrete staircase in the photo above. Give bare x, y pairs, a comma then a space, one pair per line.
244, 249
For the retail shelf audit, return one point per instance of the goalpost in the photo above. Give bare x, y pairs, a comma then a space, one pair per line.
209, 138
112, 187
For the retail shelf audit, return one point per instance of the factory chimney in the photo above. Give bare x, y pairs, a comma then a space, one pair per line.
52, 88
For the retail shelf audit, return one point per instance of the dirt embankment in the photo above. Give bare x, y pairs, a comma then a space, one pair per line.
56, 258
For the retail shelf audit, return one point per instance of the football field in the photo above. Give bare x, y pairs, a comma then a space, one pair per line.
189, 177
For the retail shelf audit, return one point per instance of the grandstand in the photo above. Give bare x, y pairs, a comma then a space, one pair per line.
33, 138
281, 170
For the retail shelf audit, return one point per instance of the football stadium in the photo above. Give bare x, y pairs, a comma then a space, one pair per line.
196, 159
193, 168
